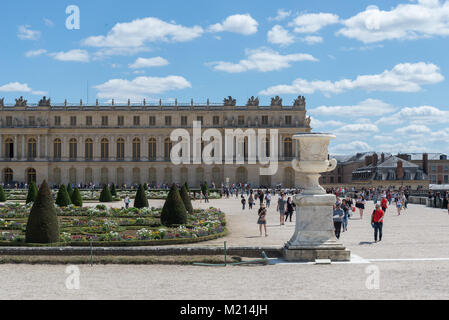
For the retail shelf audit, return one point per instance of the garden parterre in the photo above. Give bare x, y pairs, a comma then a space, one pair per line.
112, 225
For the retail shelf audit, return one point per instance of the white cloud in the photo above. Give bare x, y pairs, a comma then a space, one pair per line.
406, 21
366, 108
417, 115
281, 15
312, 39
281, 36
137, 32
238, 23
148, 62
358, 128
316, 124
263, 60
25, 33
19, 87
313, 22
413, 129
35, 53
354, 146
107, 52
76, 55
140, 87
404, 77
48, 22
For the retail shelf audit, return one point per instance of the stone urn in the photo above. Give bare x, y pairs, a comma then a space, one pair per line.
314, 236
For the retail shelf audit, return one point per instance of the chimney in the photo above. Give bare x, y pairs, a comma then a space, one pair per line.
403, 156
399, 171
382, 157
368, 160
375, 159
425, 162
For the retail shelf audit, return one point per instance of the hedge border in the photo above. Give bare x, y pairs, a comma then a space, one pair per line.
121, 243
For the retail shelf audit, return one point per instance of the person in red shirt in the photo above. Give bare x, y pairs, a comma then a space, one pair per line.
377, 221
384, 204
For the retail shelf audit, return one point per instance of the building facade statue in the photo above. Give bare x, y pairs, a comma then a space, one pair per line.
300, 102
44, 102
230, 101
21, 102
253, 102
276, 102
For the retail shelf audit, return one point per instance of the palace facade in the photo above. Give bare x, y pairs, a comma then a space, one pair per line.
130, 144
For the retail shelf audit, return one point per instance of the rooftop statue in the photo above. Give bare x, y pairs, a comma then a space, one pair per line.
230, 102
44, 102
2, 102
301, 101
307, 122
21, 102
276, 102
253, 101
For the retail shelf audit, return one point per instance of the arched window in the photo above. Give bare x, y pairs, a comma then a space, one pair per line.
152, 149
73, 149
8, 175
57, 149
9, 148
167, 149
89, 150
120, 149
241, 175
104, 149
288, 148
30, 174
136, 149
32, 149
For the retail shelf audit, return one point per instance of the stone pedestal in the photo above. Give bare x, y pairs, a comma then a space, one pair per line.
314, 236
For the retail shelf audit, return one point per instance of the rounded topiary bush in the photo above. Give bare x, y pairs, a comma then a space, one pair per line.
140, 201
32, 193
174, 212
105, 195
63, 198
77, 200
2, 195
42, 225
186, 199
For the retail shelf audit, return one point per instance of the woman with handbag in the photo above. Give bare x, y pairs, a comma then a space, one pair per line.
262, 221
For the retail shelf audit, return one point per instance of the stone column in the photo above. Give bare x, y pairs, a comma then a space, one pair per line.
144, 148
314, 234
16, 141
47, 156
64, 149
128, 149
159, 148
38, 147
113, 148
281, 147
23, 147
1, 147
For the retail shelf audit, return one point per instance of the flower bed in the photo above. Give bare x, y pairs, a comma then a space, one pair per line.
109, 227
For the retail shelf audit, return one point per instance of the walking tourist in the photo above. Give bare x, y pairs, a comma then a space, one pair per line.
398, 204
361, 205
345, 220
290, 208
243, 202
377, 221
268, 199
282, 202
127, 201
384, 204
250, 201
338, 215
262, 220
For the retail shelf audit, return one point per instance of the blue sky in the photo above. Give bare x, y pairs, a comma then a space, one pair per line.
373, 72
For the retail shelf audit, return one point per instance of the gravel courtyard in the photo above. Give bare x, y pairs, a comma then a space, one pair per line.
412, 262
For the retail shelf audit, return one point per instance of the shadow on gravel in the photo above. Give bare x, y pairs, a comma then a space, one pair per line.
366, 242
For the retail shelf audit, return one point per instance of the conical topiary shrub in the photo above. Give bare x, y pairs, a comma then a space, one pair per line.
63, 198
145, 186
140, 200
32, 192
42, 225
113, 190
105, 195
2, 195
174, 212
77, 200
70, 190
187, 186
186, 199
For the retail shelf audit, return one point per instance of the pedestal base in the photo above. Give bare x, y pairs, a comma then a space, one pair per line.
310, 254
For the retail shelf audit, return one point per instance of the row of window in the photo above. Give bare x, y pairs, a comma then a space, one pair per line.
137, 122
120, 150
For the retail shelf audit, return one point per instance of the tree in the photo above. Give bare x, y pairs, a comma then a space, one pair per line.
187, 186
77, 200
63, 198
113, 190
140, 201
105, 195
2, 195
32, 192
42, 225
186, 199
145, 186
174, 212
69, 190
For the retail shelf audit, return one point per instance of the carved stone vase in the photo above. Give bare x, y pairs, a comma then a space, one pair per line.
314, 236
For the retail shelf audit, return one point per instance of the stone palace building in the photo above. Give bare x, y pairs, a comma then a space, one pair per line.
130, 144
